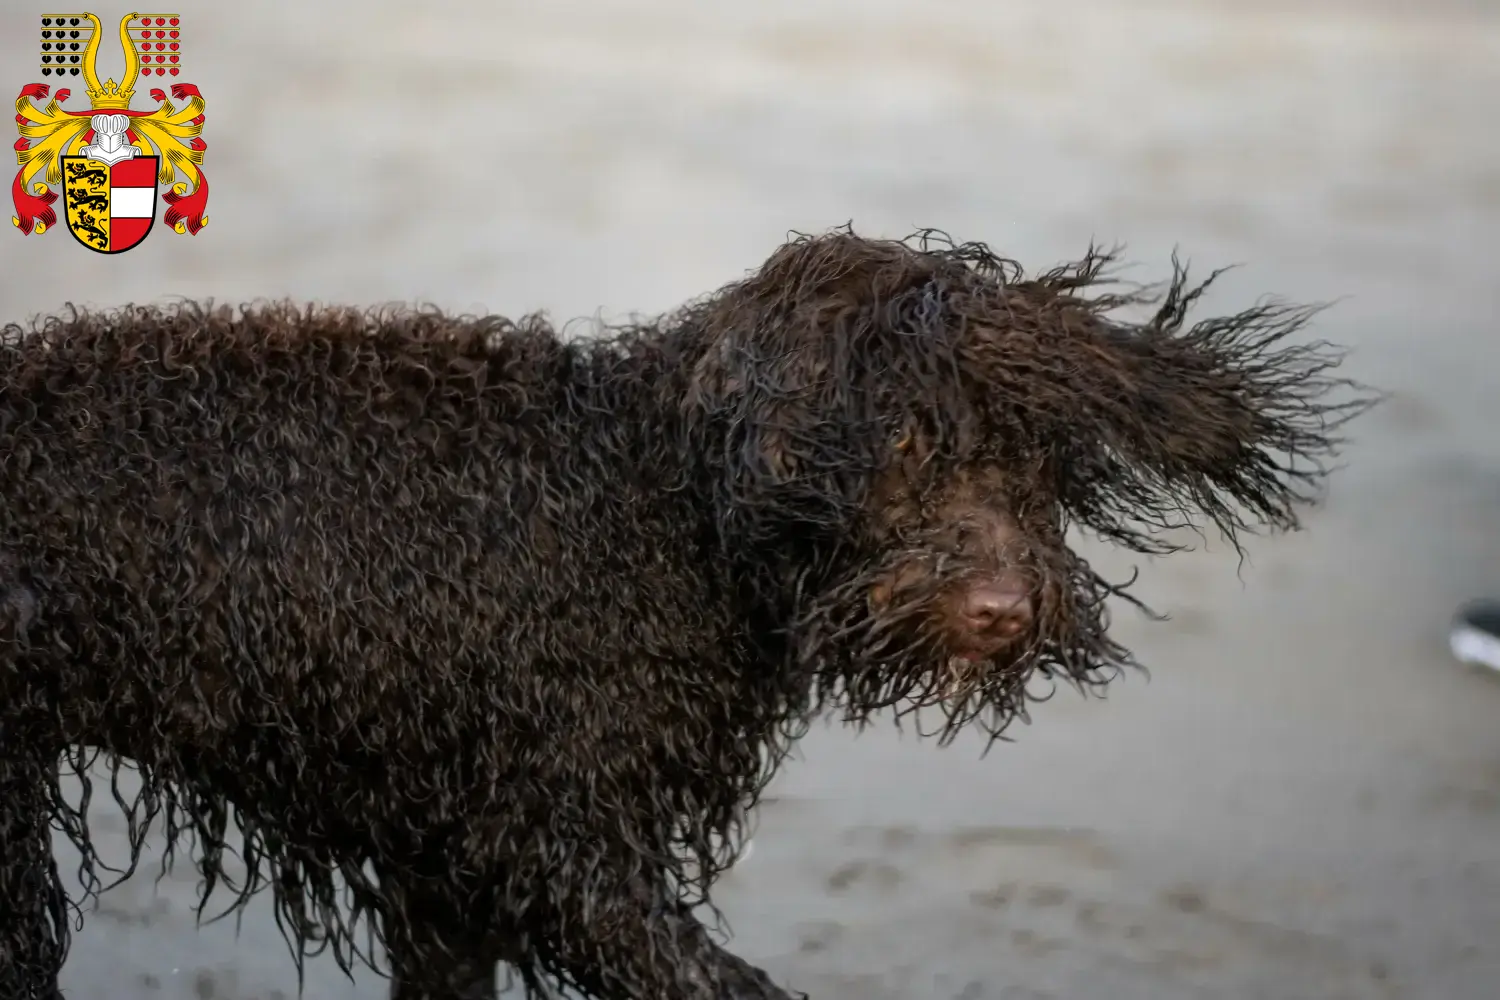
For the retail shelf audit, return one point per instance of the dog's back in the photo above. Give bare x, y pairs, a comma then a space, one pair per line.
297, 550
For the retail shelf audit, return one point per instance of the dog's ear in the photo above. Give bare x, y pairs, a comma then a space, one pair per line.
1231, 416
782, 433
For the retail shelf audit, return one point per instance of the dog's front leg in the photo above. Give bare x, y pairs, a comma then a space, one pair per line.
435, 949
645, 946
711, 971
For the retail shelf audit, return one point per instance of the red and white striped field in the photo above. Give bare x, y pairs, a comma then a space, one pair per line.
132, 201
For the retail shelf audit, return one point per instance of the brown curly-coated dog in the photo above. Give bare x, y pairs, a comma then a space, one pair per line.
477, 637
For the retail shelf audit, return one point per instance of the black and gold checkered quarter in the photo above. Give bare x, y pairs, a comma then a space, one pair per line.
64, 38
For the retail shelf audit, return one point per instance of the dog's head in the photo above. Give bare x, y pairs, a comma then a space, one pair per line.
902, 433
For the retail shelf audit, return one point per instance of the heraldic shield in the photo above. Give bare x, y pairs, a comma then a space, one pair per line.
111, 207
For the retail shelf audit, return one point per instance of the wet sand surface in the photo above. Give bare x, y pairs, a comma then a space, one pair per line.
1304, 799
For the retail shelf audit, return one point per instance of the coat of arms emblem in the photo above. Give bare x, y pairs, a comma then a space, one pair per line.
109, 160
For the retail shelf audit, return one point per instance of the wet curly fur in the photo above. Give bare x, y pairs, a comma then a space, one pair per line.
480, 639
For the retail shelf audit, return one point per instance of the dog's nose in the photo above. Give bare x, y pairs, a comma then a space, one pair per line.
999, 610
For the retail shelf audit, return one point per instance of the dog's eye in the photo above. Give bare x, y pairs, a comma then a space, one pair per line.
901, 440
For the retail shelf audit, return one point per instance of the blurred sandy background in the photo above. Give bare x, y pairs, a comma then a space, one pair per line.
1304, 801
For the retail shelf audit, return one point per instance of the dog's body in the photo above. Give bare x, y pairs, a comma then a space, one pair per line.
349, 593
511, 621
